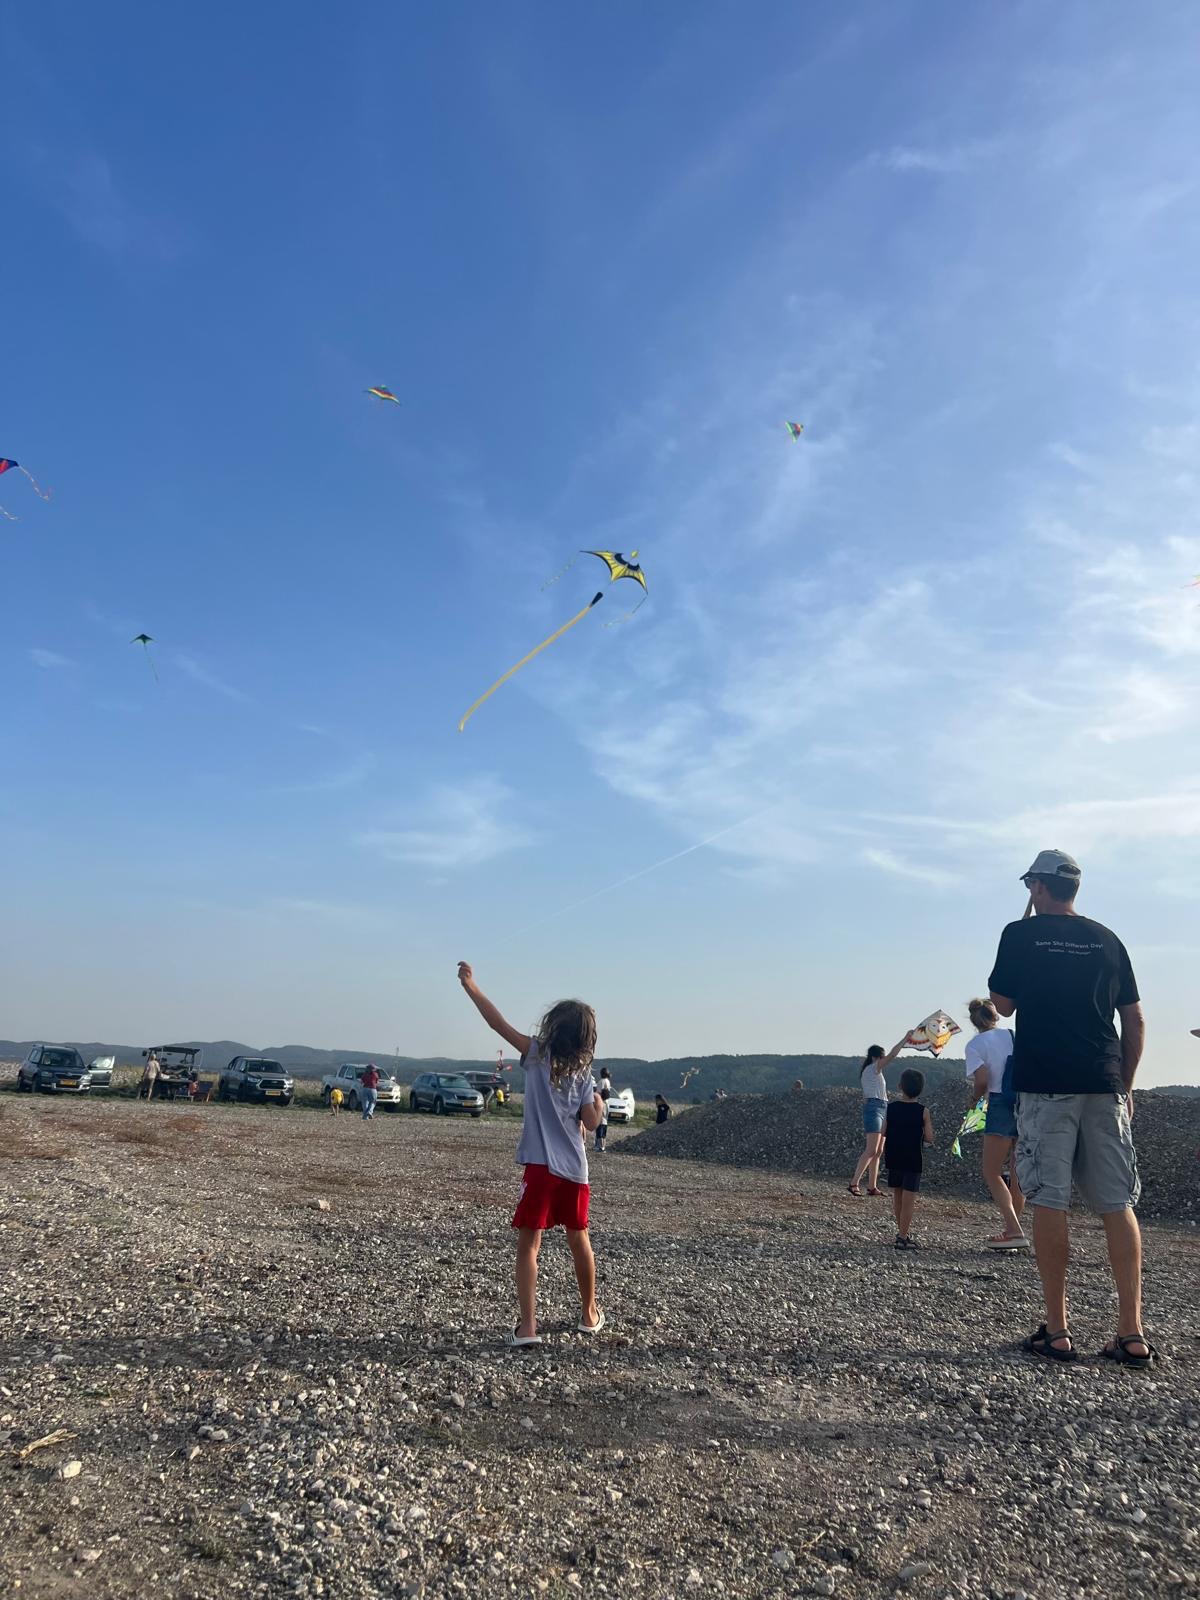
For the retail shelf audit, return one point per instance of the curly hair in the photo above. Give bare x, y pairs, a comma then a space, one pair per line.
567, 1034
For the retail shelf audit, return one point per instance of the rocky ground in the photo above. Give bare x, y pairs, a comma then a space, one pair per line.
819, 1132
211, 1386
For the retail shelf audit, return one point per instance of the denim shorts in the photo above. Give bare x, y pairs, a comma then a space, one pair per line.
1001, 1115
1080, 1138
874, 1115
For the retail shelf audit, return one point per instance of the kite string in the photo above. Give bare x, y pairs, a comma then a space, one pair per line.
563, 572
9, 515
537, 649
43, 494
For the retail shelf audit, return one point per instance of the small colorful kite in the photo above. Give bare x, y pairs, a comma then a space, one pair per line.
795, 429
7, 464
618, 568
933, 1035
973, 1122
381, 393
146, 640
688, 1076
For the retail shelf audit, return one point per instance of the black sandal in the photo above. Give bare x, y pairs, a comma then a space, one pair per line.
1041, 1344
1118, 1350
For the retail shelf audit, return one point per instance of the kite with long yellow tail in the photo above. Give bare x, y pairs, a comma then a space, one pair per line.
618, 567
537, 650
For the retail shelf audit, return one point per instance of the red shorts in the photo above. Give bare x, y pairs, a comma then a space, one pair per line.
548, 1201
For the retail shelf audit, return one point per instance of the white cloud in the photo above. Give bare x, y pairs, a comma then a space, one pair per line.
899, 867
946, 160
47, 659
200, 674
459, 825
355, 772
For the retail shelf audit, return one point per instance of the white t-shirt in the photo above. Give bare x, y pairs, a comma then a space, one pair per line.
990, 1049
551, 1135
874, 1084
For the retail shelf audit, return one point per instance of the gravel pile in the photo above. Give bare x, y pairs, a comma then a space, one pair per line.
819, 1132
212, 1385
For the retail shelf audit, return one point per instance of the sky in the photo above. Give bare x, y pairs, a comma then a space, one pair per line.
601, 254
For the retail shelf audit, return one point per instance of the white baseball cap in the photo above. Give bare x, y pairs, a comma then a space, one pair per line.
1053, 864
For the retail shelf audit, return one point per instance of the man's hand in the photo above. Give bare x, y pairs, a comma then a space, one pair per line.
465, 975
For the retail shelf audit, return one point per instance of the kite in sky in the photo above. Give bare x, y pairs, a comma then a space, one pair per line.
933, 1035
795, 429
618, 568
974, 1122
8, 465
688, 1076
381, 393
146, 640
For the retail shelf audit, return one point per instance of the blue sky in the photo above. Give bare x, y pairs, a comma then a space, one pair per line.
601, 253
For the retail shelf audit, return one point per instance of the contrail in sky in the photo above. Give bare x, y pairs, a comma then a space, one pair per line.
642, 871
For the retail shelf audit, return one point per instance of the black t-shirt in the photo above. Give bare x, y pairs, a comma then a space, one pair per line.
905, 1128
1067, 975
663, 1113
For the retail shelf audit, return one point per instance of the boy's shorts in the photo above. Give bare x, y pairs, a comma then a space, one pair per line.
904, 1180
548, 1201
1081, 1137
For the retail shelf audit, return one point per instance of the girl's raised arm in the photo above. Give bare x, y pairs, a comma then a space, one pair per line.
893, 1053
489, 1013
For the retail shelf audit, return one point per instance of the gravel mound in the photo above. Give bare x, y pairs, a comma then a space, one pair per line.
818, 1132
213, 1388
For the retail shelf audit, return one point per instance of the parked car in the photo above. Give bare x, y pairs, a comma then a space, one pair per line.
60, 1069
621, 1105
491, 1086
443, 1092
256, 1078
348, 1077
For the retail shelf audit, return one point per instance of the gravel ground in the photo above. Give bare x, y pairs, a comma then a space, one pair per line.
819, 1132
268, 1398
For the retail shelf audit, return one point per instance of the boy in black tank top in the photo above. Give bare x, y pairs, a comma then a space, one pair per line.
908, 1127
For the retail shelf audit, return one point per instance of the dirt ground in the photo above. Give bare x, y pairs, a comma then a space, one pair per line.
211, 1387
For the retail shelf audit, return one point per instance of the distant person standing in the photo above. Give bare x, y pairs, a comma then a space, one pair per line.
370, 1091
605, 1096
989, 1072
661, 1109
1068, 978
149, 1076
874, 1092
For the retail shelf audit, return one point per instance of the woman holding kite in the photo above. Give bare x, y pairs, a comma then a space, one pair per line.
874, 1089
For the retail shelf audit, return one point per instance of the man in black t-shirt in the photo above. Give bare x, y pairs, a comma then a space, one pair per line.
1066, 978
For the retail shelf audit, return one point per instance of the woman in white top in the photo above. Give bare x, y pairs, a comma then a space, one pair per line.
874, 1089
989, 1073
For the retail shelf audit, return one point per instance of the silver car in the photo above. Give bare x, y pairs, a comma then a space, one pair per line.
443, 1092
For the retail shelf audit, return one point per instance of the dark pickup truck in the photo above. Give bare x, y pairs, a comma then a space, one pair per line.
256, 1078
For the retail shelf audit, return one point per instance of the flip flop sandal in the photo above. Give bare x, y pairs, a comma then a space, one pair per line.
874, 1191
1001, 1241
1118, 1350
1041, 1344
519, 1341
853, 1189
582, 1327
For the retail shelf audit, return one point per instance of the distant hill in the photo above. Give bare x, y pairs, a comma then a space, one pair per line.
754, 1074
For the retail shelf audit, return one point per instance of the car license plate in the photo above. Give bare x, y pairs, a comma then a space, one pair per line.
68, 1083
275, 1091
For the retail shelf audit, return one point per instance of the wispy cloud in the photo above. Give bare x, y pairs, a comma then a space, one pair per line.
199, 673
459, 825
48, 659
83, 188
946, 159
348, 777
897, 866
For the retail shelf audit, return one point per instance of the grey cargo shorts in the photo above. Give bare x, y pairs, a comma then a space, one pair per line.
1084, 1138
